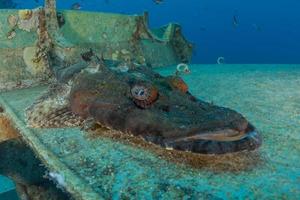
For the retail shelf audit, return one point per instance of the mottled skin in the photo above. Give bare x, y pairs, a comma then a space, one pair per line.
174, 119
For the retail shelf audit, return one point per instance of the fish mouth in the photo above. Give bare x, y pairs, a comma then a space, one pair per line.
218, 141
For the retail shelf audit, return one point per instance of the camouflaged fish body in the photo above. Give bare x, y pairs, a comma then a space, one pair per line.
52, 108
133, 100
143, 103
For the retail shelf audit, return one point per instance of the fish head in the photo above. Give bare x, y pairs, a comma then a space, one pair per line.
161, 110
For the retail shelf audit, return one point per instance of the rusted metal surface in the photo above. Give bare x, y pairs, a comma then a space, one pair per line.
27, 36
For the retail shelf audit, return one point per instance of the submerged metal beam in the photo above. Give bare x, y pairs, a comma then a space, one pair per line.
51, 16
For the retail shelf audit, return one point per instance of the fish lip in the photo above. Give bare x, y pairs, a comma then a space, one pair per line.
248, 141
227, 134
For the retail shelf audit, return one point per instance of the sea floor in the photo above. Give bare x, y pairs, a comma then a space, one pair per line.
267, 95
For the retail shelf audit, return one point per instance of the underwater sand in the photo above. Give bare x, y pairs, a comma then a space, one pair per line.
268, 95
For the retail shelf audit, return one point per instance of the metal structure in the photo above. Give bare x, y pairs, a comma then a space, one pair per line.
26, 37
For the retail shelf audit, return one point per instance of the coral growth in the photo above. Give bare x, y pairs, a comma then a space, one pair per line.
12, 21
34, 66
11, 35
25, 14
123, 54
28, 19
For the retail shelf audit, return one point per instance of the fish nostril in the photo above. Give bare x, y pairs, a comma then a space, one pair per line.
256, 140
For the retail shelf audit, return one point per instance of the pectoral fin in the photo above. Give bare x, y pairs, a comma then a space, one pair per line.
51, 110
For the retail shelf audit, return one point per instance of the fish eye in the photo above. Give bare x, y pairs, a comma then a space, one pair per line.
144, 96
141, 92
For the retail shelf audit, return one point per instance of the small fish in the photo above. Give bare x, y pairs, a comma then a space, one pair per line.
158, 1
235, 19
257, 27
76, 6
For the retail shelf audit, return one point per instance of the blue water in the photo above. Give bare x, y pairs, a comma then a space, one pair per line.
267, 31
